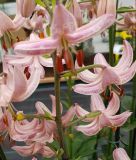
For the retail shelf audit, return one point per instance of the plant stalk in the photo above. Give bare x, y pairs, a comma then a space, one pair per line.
58, 109
132, 135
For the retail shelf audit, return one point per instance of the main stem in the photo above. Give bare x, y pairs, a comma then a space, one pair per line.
132, 135
58, 109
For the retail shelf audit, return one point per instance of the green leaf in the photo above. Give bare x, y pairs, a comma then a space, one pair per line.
40, 3
126, 102
129, 126
53, 4
83, 146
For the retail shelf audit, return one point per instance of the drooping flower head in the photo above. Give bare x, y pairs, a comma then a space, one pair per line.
102, 78
107, 118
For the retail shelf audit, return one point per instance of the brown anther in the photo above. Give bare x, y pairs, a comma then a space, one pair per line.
114, 129
41, 35
68, 59
5, 120
80, 57
27, 73
107, 97
59, 64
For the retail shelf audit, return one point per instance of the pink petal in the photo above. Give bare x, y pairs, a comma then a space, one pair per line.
100, 59
101, 7
90, 129
80, 112
32, 84
110, 77
97, 103
113, 105
24, 150
53, 99
6, 24
46, 152
89, 89
76, 11
27, 7
87, 76
68, 116
63, 22
128, 74
119, 120
88, 31
41, 108
126, 59
20, 84
19, 60
47, 62
36, 47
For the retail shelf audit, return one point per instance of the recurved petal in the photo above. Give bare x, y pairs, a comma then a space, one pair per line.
47, 62
101, 9
87, 76
88, 31
41, 108
80, 112
69, 115
119, 120
27, 8
19, 60
126, 59
6, 24
20, 83
97, 103
113, 105
100, 59
32, 84
128, 74
53, 99
63, 22
89, 89
37, 47
27, 150
46, 152
90, 129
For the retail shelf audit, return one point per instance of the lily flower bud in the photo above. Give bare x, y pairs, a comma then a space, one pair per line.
120, 154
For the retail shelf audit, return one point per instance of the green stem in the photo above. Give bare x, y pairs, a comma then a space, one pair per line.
132, 135
69, 84
58, 110
126, 10
89, 115
70, 73
111, 44
2, 154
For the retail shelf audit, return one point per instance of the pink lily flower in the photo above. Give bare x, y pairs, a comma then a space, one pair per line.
123, 72
107, 118
39, 20
66, 118
33, 149
13, 85
128, 23
64, 27
120, 154
24, 9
